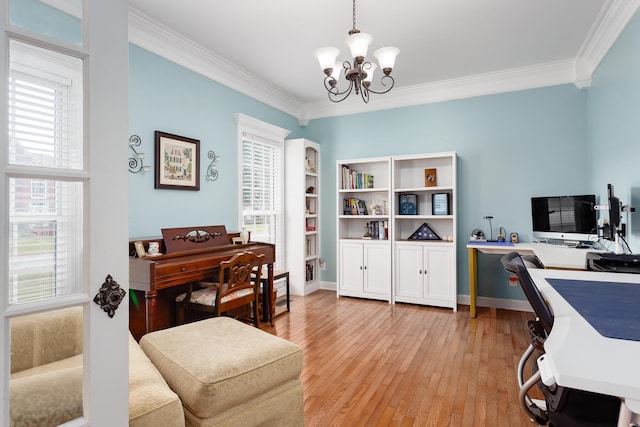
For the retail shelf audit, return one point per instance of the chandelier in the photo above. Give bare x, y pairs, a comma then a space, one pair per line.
360, 73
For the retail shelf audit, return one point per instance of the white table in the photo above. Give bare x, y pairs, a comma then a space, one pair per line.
583, 359
551, 256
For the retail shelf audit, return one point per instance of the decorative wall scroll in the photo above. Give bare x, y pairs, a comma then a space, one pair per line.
212, 172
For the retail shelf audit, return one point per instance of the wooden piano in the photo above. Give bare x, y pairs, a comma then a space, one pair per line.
187, 255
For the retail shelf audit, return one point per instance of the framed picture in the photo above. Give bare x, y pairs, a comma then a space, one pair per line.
139, 249
430, 178
408, 204
440, 204
177, 162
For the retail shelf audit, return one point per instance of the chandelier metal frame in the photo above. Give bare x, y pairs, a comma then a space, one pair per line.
357, 73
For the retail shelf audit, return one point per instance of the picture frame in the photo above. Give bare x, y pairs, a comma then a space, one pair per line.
430, 177
177, 162
408, 204
440, 204
139, 249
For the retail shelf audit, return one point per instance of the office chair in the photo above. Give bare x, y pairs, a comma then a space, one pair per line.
562, 406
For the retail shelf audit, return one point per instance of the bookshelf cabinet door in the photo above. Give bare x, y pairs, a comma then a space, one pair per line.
351, 269
377, 268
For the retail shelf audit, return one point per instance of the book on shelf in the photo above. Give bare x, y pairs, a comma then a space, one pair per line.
378, 230
354, 180
354, 206
309, 273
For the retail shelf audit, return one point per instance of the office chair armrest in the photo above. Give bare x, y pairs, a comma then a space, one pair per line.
536, 414
545, 372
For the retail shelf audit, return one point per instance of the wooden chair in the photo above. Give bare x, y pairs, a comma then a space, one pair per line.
237, 286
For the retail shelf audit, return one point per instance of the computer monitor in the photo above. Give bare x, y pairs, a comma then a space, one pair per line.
564, 217
614, 213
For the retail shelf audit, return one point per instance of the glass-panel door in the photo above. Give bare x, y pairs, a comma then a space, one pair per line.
63, 355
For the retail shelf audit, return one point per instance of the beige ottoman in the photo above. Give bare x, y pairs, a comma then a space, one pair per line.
227, 373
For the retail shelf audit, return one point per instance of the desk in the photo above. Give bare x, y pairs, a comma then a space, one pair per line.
551, 256
578, 355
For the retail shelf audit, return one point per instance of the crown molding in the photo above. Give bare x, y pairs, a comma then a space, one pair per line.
551, 74
603, 34
149, 34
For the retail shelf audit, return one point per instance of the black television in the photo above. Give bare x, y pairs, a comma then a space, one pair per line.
570, 218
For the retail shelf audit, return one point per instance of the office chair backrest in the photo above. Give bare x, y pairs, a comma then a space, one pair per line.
512, 262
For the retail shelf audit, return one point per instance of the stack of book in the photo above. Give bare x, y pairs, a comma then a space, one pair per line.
353, 206
378, 230
352, 179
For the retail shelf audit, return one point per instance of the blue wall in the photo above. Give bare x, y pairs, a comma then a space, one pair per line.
44, 19
167, 97
513, 146
614, 125
510, 147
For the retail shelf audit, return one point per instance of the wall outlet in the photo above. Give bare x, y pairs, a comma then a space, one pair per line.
323, 264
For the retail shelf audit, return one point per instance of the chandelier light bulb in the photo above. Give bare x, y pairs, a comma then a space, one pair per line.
386, 57
327, 58
337, 68
358, 44
369, 69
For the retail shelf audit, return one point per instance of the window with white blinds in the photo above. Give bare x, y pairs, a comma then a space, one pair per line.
262, 204
45, 137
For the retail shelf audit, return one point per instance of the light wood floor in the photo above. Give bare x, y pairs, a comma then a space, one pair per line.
370, 363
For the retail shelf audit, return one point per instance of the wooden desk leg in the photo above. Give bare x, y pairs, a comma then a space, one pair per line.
268, 308
473, 280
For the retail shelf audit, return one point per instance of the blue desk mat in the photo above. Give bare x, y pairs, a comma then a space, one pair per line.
612, 308
485, 243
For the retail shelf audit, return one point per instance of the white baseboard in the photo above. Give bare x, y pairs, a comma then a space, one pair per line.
328, 286
506, 304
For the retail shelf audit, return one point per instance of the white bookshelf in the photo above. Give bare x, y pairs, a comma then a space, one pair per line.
425, 270
302, 164
394, 266
364, 263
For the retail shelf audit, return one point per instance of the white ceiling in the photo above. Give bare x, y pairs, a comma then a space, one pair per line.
448, 48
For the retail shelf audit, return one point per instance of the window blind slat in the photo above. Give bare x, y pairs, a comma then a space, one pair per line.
261, 198
45, 216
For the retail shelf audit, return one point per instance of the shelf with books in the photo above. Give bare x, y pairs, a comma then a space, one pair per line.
364, 174
302, 163
424, 229
363, 207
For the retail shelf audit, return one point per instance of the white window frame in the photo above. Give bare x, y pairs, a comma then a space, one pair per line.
250, 128
63, 71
